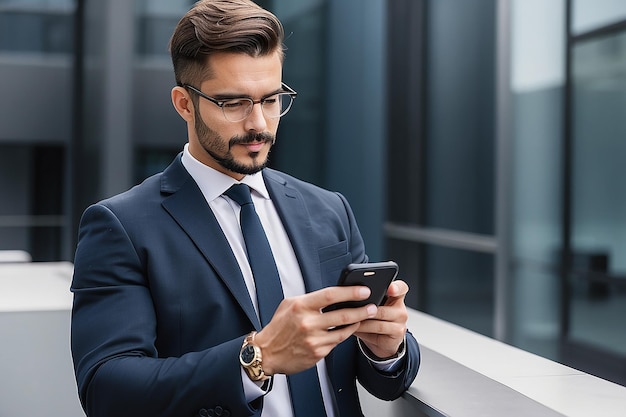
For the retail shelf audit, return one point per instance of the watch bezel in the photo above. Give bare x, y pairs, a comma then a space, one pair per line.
250, 351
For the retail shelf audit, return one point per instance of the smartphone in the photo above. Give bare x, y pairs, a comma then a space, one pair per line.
377, 276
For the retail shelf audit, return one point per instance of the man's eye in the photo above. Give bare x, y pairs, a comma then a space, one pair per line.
233, 104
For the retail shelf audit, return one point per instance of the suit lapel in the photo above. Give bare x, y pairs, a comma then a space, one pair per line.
295, 217
188, 207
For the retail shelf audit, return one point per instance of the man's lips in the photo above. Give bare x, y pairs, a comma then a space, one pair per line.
254, 146
253, 143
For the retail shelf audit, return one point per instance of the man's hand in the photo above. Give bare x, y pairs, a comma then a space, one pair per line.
384, 333
298, 335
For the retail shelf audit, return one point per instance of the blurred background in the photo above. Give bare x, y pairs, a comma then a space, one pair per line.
481, 144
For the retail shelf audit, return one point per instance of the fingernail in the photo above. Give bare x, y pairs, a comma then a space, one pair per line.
372, 309
364, 292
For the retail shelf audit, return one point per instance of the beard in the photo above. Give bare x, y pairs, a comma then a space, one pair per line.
220, 151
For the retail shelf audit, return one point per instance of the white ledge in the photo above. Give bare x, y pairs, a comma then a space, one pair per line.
467, 374
35, 286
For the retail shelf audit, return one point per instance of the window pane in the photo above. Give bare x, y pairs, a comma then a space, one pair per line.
460, 287
598, 197
32, 218
156, 20
36, 26
592, 14
460, 140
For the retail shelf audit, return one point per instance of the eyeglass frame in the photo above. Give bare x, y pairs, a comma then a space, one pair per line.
221, 103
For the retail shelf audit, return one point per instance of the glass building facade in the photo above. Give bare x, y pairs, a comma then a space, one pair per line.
479, 141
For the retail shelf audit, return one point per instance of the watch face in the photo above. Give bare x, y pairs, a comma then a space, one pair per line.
247, 354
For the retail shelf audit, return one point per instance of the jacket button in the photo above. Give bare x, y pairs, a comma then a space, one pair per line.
203, 413
220, 412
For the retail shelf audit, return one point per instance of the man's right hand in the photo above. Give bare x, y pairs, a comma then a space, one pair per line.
298, 335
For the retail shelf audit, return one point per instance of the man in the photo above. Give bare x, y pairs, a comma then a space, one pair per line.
170, 313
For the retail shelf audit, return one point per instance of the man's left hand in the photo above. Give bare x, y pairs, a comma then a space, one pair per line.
384, 333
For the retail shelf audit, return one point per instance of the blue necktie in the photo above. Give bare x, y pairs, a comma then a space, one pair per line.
269, 291
305, 390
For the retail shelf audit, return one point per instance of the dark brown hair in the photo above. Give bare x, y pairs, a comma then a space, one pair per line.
213, 26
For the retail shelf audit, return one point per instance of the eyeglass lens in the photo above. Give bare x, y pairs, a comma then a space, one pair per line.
273, 107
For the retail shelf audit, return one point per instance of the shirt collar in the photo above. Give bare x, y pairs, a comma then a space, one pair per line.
213, 183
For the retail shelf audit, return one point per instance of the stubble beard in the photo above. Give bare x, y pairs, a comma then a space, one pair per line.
215, 146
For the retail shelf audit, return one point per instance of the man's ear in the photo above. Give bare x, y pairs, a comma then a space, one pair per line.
182, 103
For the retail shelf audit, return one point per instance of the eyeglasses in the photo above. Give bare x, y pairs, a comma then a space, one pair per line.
238, 108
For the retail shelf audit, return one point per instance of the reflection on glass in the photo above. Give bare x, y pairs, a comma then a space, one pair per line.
460, 287
599, 198
593, 14
459, 152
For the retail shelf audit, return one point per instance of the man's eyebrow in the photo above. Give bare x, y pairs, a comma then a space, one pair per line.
280, 90
227, 96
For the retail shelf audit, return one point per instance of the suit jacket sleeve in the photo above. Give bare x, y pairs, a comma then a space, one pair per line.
390, 386
118, 370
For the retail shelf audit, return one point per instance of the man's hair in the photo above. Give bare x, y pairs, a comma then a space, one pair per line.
214, 26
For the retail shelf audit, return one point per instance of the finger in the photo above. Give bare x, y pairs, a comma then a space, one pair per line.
393, 310
331, 295
374, 328
396, 293
397, 288
348, 316
338, 334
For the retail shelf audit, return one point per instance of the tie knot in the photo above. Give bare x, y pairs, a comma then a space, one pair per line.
240, 193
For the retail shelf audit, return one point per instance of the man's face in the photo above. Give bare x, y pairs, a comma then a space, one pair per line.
236, 148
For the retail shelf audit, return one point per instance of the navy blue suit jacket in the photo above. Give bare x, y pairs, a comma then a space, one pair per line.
161, 308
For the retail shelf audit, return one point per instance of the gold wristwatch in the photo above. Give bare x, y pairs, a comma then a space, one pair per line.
251, 359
